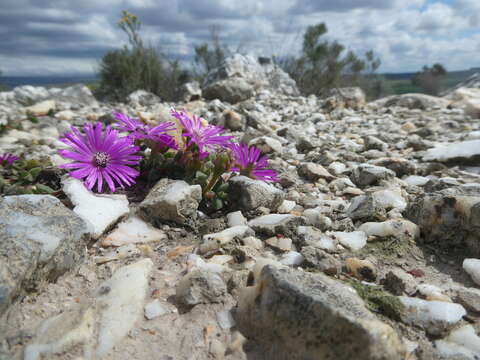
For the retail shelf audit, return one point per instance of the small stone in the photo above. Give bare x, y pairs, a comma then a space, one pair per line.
366, 207
280, 243
124, 300
253, 242
313, 237
472, 267
318, 219
432, 292
215, 241
286, 206
399, 282
133, 231
155, 309
225, 319
235, 219
371, 142
172, 200
291, 258
416, 180
119, 253
434, 316
354, 240
40, 239
200, 287
312, 171
361, 269
195, 262
469, 298
320, 260
400, 229
461, 343
140, 98
274, 224
366, 174
248, 194
267, 145
41, 108
100, 211
314, 317
390, 199
233, 121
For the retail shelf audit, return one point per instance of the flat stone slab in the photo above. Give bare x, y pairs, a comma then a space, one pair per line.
99, 211
40, 239
311, 316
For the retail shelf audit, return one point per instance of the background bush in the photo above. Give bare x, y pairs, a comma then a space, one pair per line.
323, 65
430, 79
2, 86
138, 66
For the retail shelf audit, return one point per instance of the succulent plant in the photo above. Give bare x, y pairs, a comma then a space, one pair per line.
28, 177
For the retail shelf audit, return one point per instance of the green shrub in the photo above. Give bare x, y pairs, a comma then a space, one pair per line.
137, 66
209, 56
3, 87
324, 65
430, 79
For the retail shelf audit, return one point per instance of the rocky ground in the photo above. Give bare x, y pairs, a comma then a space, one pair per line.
367, 248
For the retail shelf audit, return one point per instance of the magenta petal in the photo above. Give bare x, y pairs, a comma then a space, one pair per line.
100, 156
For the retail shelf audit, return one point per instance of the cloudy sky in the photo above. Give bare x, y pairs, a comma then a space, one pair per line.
46, 37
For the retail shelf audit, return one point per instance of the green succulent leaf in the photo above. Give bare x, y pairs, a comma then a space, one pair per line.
43, 189
217, 203
35, 171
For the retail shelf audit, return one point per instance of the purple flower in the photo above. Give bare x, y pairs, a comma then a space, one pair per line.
140, 131
100, 156
8, 159
203, 135
247, 161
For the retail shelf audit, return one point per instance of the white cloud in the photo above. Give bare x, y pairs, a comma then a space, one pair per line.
58, 36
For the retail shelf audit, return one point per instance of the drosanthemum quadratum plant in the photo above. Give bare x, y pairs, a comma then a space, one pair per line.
190, 149
100, 157
19, 176
249, 162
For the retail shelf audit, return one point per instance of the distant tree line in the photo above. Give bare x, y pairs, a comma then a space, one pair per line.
321, 66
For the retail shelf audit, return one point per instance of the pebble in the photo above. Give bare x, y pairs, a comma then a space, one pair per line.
354, 240
236, 219
462, 342
434, 316
155, 309
100, 211
132, 231
472, 267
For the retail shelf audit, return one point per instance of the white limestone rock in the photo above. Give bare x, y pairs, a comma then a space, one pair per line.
472, 267
460, 342
122, 298
390, 199
416, 180
462, 151
434, 316
132, 231
100, 211
217, 240
399, 228
286, 206
155, 309
236, 218
354, 240
42, 108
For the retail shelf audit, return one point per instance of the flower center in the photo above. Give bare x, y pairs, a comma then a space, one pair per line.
101, 159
